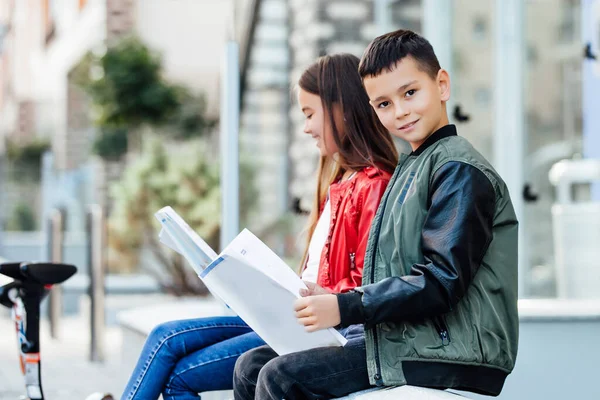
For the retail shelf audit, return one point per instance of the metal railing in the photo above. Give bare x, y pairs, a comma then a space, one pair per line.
56, 237
246, 46
96, 241
96, 250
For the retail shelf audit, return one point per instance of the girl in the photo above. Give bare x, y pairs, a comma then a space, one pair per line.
183, 358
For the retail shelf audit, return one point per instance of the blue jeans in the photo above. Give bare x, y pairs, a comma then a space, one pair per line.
183, 358
321, 373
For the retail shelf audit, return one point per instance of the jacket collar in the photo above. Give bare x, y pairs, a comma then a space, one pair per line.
443, 132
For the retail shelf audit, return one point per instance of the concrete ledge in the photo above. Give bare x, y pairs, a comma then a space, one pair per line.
137, 323
402, 392
553, 310
114, 284
553, 334
75, 290
143, 319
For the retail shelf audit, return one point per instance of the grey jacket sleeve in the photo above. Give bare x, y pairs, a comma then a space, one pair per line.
455, 237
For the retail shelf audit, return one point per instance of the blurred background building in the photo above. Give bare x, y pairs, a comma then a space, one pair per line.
116, 103
43, 108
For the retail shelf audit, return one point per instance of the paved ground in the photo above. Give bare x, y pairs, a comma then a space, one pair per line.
66, 372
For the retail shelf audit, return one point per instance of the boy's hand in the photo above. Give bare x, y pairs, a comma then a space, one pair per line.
318, 312
313, 290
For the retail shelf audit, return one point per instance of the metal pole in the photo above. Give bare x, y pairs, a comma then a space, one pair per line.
509, 126
96, 244
230, 114
56, 256
437, 29
383, 16
2, 188
590, 35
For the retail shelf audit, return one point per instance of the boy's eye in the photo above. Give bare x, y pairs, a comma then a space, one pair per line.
309, 116
383, 104
411, 92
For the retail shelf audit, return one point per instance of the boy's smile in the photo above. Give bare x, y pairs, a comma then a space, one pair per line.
408, 127
408, 101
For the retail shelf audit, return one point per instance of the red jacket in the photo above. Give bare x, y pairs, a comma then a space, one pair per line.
353, 206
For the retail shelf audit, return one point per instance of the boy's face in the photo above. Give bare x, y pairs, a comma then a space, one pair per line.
408, 102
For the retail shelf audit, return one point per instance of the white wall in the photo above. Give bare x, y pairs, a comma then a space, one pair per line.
77, 32
17, 69
24, 33
190, 35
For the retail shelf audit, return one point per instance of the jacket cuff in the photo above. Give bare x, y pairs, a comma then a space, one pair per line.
351, 308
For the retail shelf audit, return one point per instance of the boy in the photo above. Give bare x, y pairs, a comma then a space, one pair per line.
438, 300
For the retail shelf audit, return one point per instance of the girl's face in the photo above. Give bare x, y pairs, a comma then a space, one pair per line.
317, 123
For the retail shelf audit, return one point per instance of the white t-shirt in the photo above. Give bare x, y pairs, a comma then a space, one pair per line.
315, 247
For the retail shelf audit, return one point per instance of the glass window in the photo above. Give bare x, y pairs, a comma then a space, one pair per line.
472, 71
553, 100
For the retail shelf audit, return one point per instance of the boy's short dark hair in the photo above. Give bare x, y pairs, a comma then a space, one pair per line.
386, 50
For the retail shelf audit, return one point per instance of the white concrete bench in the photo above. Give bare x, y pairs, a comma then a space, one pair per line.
402, 393
557, 359
137, 323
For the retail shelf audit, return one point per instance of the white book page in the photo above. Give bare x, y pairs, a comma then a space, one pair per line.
259, 255
181, 234
197, 259
166, 239
179, 237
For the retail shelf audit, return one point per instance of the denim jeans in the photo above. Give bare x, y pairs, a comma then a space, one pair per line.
183, 358
321, 373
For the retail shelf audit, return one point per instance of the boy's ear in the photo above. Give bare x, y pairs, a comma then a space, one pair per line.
443, 81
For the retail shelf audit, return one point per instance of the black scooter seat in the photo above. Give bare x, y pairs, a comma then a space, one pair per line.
41, 273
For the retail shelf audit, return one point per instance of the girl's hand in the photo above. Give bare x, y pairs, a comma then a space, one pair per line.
313, 290
318, 312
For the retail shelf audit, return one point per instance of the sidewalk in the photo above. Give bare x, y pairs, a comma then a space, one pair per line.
67, 373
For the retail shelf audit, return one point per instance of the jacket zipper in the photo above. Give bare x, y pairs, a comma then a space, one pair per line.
442, 329
352, 260
377, 376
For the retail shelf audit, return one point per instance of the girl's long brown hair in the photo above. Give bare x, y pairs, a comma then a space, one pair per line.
362, 141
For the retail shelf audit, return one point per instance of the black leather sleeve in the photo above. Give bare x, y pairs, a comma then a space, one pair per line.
455, 237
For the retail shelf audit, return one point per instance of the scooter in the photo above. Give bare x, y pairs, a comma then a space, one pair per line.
32, 283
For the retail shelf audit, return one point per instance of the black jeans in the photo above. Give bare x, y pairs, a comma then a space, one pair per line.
321, 373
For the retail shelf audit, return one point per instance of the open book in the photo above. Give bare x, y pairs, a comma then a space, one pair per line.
252, 280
